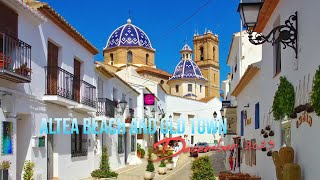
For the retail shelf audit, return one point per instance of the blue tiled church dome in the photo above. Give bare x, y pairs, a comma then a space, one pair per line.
129, 35
187, 69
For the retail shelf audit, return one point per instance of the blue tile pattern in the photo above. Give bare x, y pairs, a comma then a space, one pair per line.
187, 69
129, 35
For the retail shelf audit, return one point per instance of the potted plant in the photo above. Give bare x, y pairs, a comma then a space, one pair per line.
140, 152
162, 167
5, 165
128, 119
23, 70
104, 171
4, 61
315, 93
149, 173
202, 169
284, 100
28, 170
170, 162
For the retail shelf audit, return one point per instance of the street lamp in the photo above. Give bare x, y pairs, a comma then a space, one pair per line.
215, 114
222, 112
123, 104
286, 34
153, 112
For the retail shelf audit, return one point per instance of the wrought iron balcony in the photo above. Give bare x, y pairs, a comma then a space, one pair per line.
60, 82
105, 107
88, 94
15, 59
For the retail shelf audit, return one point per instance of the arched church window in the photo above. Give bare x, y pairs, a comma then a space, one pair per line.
147, 59
187, 56
213, 52
200, 88
129, 57
162, 82
201, 54
184, 56
111, 58
177, 88
189, 87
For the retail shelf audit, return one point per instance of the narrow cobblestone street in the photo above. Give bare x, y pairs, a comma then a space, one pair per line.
182, 171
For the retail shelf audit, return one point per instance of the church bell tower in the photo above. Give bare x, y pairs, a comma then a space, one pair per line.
206, 56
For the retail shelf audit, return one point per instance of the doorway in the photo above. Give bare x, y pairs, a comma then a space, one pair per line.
125, 148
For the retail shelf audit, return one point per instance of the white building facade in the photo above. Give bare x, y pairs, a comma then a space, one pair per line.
263, 84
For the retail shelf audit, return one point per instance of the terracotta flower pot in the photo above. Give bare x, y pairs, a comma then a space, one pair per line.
300, 108
293, 115
268, 128
139, 154
309, 108
149, 175
271, 133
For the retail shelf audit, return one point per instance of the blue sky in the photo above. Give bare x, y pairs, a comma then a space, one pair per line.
97, 19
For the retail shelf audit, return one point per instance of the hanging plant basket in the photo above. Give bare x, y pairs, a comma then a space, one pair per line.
269, 153
284, 99
315, 94
271, 133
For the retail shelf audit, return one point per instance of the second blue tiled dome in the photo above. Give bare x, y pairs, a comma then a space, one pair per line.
187, 69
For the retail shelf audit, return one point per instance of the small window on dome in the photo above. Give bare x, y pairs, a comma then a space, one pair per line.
129, 57
189, 87
147, 59
184, 56
200, 88
177, 88
111, 58
187, 56
162, 82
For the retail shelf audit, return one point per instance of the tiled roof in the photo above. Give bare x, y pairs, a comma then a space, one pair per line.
56, 18
129, 35
187, 69
207, 99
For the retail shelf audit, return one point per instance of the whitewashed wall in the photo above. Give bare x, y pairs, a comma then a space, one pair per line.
294, 70
28, 103
199, 109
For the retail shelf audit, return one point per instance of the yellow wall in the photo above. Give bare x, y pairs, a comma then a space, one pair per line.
209, 66
120, 56
183, 88
157, 79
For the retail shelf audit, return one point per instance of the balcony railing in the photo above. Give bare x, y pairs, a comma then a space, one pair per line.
60, 82
15, 58
105, 107
88, 94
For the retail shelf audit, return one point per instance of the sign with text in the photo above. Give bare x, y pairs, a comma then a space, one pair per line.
226, 104
231, 116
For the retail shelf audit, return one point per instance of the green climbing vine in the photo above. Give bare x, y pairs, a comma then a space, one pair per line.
315, 94
284, 99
